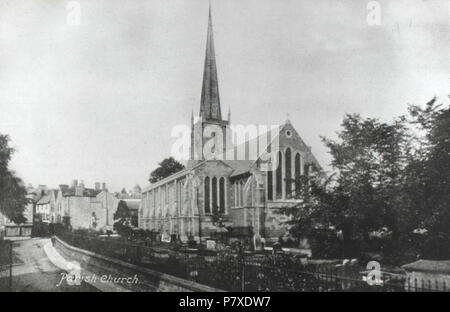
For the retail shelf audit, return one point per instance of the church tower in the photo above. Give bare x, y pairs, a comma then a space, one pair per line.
210, 125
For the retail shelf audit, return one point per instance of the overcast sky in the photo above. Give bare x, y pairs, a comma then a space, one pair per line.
98, 101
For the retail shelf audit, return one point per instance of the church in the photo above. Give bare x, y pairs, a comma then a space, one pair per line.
239, 196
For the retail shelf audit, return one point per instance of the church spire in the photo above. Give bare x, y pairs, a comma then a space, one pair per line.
210, 102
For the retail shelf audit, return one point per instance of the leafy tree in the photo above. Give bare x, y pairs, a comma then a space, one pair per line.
370, 158
361, 196
427, 183
391, 176
13, 193
123, 223
166, 168
122, 211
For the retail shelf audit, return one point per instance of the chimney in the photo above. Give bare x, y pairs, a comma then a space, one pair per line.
79, 189
97, 186
104, 186
74, 183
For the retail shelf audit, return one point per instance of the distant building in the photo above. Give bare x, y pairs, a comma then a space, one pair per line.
45, 207
85, 208
133, 201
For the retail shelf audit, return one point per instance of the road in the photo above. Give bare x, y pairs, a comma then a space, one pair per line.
34, 272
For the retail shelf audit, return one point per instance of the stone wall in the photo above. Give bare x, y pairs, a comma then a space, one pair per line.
148, 280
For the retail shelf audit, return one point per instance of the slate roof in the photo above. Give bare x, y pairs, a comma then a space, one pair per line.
239, 166
87, 192
45, 199
132, 204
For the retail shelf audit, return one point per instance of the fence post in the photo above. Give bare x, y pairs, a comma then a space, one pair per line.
10, 264
242, 260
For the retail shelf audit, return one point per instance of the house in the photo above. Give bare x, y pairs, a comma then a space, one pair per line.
45, 207
85, 208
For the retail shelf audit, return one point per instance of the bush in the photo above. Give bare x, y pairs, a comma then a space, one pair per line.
325, 244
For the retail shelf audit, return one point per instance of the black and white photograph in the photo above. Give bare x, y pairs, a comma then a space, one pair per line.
224, 146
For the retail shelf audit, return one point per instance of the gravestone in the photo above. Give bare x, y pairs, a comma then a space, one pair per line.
211, 244
165, 238
257, 242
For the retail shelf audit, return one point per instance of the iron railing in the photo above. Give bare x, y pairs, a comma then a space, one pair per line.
239, 271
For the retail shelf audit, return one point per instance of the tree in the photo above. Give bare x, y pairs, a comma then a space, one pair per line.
123, 223
370, 159
427, 183
391, 186
122, 211
361, 197
13, 194
166, 168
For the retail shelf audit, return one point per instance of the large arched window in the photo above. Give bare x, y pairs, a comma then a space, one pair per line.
241, 192
222, 195
236, 203
270, 185
298, 165
238, 194
207, 198
180, 197
288, 168
214, 195
279, 176
159, 202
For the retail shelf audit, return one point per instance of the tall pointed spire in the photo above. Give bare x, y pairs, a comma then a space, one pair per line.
210, 102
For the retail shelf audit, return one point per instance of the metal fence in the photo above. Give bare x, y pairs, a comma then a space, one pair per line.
6, 262
240, 271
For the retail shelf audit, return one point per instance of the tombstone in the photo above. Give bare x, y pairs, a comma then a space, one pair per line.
165, 238
257, 245
211, 244
276, 247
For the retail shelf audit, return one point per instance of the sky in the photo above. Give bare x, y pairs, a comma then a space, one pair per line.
97, 101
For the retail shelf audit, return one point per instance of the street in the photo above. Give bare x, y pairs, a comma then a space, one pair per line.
33, 271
